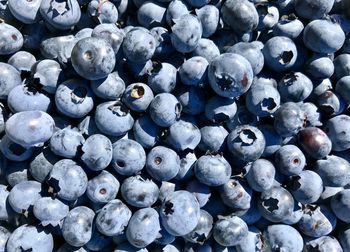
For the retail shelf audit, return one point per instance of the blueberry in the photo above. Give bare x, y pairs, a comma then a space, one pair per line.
295, 87
317, 221
263, 100
236, 194
61, 15
143, 227
49, 73
344, 238
209, 17
146, 132
343, 88
323, 36
165, 109
241, 16
139, 45
66, 142
77, 226
22, 61
320, 66
290, 160
246, 143
320, 87
340, 206
59, 48
93, 58
288, 26
26, 12
253, 241
192, 100
113, 218
280, 53
9, 79
194, 71
29, 238
128, 157
315, 142
97, 151
103, 12
337, 130
175, 10
230, 75
102, 188
220, 109
187, 161
230, 231
151, 14
333, 170
283, 237
261, 175
4, 235
212, 170
183, 135
30, 189
296, 214
246, 96
68, 179
313, 10
11, 39
323, 244
268, 15
17, 172
165, 189
180, 213
186, 32
276, 204
50, 211
207, 49
312, 114
306, 187
162, 163
213, 138
111, 33
331, 103
111, 87
27, 97
341, 65
6, 14
113, 118
30, 128
139, 192
138, 97
250, 51
289, 119
42, 163
203, 229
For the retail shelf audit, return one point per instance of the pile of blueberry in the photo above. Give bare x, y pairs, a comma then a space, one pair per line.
175, 125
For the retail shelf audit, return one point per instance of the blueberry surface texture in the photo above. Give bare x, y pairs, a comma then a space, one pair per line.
174, 125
